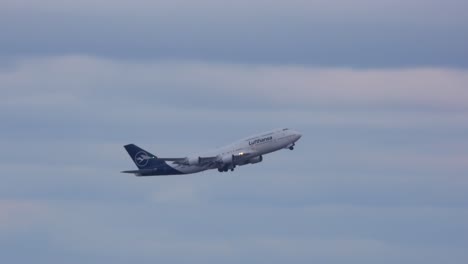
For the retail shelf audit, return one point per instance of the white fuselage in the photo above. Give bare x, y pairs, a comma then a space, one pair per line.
244, 151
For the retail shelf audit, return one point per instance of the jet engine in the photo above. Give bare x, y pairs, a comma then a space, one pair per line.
255, 160
227, 159
193, 161
238, 160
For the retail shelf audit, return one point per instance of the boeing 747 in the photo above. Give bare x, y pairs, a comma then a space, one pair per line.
245, 151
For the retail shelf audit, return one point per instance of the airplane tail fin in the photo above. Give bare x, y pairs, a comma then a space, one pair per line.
142, 158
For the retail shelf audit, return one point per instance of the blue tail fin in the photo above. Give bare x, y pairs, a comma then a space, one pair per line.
142, 158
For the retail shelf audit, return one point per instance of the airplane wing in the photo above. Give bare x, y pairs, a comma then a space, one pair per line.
205, 160
173, 159
192, 161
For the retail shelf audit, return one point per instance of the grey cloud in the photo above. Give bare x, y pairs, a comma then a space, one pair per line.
74, 79
148, 232
379, 175
325, 33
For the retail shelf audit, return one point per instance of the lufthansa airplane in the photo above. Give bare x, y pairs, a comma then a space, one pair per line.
245, 151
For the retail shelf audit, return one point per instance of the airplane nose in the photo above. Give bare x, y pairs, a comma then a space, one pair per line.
297, 135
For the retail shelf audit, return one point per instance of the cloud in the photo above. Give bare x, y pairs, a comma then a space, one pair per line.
147, 232
17, 215
379, 175
66, 80
70, 93
75, 96
325, 33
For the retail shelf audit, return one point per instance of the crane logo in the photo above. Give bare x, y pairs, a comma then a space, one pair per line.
142, 158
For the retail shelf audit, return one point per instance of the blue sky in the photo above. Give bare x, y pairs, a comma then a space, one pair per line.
378, 89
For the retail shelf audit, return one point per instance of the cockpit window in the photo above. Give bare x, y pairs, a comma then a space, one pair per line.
285, 129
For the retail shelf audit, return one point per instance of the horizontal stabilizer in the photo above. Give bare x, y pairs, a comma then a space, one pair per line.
144, 172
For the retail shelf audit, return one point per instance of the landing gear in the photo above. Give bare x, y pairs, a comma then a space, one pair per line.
226, 168
291, 148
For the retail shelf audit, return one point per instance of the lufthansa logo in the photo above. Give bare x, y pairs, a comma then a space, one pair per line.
260, 140
142, 158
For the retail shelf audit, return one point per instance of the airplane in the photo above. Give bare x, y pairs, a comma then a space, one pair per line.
249, 150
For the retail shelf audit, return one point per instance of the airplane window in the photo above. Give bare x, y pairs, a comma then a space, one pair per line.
285, 129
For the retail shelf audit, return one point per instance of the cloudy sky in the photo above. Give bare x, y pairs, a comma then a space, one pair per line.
379, 90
